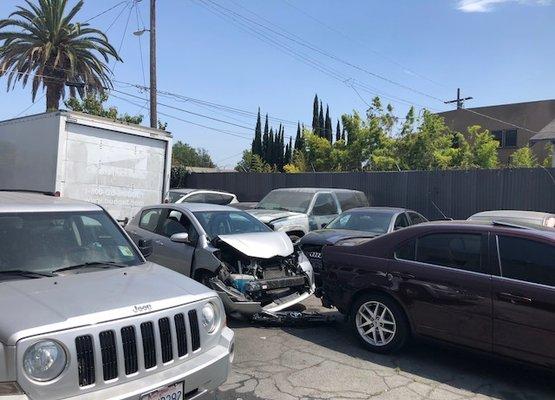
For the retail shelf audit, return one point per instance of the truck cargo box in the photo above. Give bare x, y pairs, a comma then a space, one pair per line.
120, 166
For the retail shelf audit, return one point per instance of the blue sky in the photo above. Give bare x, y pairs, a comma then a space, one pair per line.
415, 51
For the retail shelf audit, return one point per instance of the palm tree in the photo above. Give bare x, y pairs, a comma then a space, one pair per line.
43, 44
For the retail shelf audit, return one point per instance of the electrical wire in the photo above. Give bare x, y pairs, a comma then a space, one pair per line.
124, 34
117, 17
106, 11
32, 104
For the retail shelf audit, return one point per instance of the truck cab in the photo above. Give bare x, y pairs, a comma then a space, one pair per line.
83, 315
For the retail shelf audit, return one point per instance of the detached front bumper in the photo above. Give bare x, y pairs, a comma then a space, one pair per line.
201, 376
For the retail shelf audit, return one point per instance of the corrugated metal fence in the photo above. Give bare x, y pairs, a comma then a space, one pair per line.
458, 194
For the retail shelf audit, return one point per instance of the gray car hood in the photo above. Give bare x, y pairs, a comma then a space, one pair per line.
268, 216
261, 244
34, 306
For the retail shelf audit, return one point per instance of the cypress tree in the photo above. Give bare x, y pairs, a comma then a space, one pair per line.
300, 146
315, 115
257, 142
338, 131
298, 137
271, 148
266, 141
289, 151
321, 123
327, 125
344, 135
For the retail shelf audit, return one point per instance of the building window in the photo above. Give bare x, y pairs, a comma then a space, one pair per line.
510, 138
506, 138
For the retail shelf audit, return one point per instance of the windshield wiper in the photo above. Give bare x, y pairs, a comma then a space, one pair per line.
26, 274
94, 264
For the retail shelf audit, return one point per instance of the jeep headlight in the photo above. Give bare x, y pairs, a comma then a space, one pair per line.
210, 317
44, 361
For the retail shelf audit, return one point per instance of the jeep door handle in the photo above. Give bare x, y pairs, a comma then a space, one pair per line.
514, 299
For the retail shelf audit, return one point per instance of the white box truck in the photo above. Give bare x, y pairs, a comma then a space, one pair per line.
120, 166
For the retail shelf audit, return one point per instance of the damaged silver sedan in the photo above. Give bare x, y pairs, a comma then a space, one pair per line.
254, 269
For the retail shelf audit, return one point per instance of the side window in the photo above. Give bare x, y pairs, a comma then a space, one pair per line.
324, 205
416, 218
401, 221
527, 260
195, 198
227, 199
177, 222
455, 250
214, 198
149, 219
349, 200
407, 251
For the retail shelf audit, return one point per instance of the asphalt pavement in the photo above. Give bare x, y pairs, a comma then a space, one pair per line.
327, 362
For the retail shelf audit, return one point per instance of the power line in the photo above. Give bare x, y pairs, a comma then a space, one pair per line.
32, 104
302, 42
106, 11
117, 17
364, 44
124, 34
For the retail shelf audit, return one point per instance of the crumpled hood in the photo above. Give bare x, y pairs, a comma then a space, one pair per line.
34, 306
268, 216
261, 244
332, 236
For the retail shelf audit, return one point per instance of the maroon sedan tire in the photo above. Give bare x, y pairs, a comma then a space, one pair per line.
379, 323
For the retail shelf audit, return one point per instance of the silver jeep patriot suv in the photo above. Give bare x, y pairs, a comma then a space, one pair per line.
84, 316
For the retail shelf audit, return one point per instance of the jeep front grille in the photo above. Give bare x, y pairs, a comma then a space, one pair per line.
156, 341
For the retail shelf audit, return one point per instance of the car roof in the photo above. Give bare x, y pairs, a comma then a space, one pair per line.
512, 214
495, 226
191, 190
314, 190
389, 210
196, 207
21, 201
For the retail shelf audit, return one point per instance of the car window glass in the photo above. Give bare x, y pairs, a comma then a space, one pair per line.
527, 260
149, 219
407, 251
195, 198
226, 199
177, 222
455, 250
374, 222
349, 200
324, 205
416, 218
214, 198
401, 221
175, 196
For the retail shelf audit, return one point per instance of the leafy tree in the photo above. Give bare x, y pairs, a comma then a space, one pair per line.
484, 147
523, 158
252, 163
315, 114
94, 105
46, 44
187, 156
256, 147
548, 161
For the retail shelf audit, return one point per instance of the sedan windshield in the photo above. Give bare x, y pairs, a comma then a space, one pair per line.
217, 223
373, 222
48, 241
286, 201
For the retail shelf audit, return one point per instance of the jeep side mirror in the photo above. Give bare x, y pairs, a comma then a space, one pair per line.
145, 247
180, 238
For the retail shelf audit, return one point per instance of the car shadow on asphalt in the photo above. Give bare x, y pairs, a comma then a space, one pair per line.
456, 367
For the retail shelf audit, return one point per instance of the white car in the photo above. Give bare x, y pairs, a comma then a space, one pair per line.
201, 196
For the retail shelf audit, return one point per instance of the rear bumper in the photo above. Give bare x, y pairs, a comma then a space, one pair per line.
201, 376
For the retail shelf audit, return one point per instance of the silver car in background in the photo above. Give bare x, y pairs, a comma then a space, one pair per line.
252, 268
528, 218
84, 316
201, 196
297, 211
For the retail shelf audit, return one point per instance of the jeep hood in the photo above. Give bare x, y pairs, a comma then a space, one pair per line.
269, 216
260, 245
30, 307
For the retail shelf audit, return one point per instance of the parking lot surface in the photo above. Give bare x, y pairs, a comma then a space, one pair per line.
326, 362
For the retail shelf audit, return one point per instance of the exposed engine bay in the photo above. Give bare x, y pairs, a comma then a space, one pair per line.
249, 285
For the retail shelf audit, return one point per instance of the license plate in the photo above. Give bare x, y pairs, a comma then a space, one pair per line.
170, 392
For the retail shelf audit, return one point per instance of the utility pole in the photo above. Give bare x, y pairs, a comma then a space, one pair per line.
459, 100
153, 89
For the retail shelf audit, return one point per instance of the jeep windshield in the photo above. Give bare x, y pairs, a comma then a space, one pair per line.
35, 244
286, 201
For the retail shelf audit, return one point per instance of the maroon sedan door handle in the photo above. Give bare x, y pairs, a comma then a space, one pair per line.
514, 299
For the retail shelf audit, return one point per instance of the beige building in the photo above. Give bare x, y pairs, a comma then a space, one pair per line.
513, 125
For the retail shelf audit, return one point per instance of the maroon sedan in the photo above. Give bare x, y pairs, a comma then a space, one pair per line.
487, 286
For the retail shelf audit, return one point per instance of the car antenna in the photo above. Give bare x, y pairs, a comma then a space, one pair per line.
439, 209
